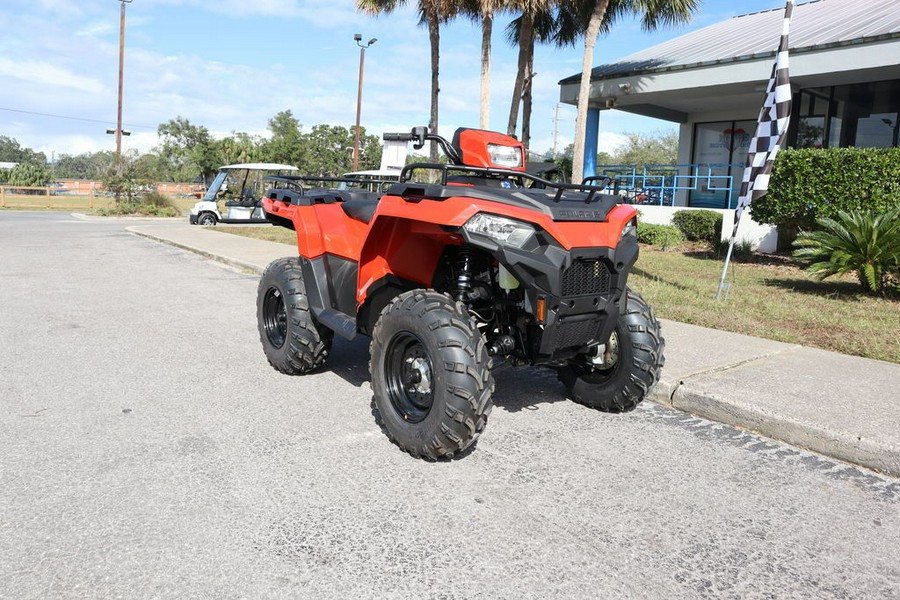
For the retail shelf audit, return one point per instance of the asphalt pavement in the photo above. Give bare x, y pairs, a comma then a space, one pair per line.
148, 450
844, 407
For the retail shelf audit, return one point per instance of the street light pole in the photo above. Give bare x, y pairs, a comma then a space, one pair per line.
362, 57
121, 86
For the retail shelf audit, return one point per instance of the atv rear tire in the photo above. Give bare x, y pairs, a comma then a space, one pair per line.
621, 386
293, 341
430, 375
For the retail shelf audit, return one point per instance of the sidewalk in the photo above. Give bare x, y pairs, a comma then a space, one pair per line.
840, 406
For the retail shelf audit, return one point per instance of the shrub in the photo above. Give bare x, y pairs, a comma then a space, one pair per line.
864, 242
742, 252
662, 236
808, 184
154, 198
699, 225
140, 209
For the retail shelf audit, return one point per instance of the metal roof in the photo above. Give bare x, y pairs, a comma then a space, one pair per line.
816, 25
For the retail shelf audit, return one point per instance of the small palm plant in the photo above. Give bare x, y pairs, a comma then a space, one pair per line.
864, 242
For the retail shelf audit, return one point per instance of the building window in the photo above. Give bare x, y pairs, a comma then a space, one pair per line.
864, 115
719, 153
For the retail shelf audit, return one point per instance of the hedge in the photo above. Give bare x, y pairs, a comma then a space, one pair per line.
699, 225
809, 183
663, 236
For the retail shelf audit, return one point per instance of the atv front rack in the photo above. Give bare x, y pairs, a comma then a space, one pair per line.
507, 178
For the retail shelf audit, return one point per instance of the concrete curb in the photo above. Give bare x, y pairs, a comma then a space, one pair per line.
869, 453
232, 262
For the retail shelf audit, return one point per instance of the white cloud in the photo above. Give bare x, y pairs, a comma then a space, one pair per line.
96, 29
45, 74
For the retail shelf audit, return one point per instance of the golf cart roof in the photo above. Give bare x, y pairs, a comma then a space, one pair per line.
374, 174
261, 167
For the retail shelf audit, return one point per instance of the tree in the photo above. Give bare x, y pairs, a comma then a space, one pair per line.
544, 28
188, 147
11, 151
597, 16
286, 143
640, 150
329, 151
530, 9
87, 165
484, 10
431, 13
241, 147
29, 175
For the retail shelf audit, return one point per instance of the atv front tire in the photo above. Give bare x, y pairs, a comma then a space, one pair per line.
632, 366
207, 219
430, 375
294, 343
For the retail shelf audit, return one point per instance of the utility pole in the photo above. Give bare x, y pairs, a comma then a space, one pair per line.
362, 57
121, 87
555, 128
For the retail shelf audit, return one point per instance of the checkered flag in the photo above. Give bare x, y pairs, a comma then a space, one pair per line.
771, 126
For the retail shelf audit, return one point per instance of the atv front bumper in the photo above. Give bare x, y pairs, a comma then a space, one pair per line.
572, 296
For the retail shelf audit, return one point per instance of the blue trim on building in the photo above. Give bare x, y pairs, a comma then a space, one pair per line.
591, 141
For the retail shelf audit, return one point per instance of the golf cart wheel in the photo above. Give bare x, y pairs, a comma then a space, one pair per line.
293, 341
207, 219
430, 375
620, 378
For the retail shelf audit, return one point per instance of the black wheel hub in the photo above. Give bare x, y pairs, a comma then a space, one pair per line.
274, 317
408, 373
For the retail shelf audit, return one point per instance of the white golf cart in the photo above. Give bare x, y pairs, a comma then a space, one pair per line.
240, 188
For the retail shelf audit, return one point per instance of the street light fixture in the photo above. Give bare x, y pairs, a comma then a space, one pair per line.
362, 57
119, 133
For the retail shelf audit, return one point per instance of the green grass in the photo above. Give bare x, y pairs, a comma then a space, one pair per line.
260, 232
770, 298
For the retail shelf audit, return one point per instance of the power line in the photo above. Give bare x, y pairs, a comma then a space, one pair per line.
28, 112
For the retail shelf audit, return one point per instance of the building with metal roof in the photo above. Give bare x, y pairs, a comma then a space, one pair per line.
844, 70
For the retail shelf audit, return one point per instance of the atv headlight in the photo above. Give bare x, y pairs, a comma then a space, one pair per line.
500, 229
630, 228
509, 157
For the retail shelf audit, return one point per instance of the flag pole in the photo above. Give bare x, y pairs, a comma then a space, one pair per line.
725, 268
771, 130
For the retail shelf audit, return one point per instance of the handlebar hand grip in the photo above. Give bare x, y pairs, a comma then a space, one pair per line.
398, 137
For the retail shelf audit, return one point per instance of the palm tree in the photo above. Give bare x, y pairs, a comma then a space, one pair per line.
484, 11
545, 28
863, 242
530, 9
431, 13
597, 16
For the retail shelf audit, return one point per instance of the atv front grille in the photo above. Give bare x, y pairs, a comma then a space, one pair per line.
585, 277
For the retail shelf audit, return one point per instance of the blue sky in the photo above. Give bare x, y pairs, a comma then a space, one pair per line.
230, 65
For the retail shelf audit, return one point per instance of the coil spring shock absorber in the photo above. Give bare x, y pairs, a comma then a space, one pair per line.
463, 273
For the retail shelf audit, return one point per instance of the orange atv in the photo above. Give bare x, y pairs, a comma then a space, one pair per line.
487, 267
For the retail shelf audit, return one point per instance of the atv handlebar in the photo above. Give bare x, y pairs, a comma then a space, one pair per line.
420, 135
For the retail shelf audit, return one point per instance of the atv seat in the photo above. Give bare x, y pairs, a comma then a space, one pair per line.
359, 204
